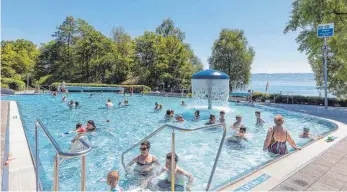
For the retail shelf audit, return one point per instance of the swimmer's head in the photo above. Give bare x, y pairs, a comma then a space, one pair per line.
107, 121
109, 100
145, 146
112, 178
238, 118
242, 129
91, 124
278, 120
222, 112
257, 113
197, 113
169, 156
306, 130
78, 125
168, 112
77, 103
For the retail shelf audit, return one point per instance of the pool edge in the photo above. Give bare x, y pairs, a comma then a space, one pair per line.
287, 161
22, 176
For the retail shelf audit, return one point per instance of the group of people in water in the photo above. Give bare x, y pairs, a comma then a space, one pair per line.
147, 165
109, 103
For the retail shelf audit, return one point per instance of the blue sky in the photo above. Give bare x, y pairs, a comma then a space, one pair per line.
201, 20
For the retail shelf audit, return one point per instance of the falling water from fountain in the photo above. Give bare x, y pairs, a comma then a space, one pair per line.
210, 86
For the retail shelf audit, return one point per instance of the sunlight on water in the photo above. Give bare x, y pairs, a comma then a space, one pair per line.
128, 125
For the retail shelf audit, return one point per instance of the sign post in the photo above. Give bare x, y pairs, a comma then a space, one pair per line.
324, 31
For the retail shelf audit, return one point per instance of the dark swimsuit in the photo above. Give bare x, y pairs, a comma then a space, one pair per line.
277, 147
143, 164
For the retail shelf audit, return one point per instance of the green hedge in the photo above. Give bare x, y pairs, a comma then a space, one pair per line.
137, 88
4, 85
13, 83
299, 99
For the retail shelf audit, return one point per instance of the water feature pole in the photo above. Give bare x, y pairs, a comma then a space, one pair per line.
209, 93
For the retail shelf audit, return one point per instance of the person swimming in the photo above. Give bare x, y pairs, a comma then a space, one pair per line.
77, 104
145, 162
172, 113
156, 106
196, 115
237, 124
168, 114
183, 104
260, 121
180, 174
212, 120
63, 99
112, 181
221, 117
90, 126
307, 135
109, 103
179, 118
239, 136
71, 104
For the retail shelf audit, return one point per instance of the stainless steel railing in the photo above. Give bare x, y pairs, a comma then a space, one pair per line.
82, 154
173, 146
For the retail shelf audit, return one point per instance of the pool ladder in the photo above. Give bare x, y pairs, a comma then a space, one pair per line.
60, 154
223, 126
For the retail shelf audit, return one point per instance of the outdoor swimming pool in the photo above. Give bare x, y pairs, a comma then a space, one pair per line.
196, 150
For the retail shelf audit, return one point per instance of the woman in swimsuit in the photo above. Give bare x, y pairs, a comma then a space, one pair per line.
277, 138
145, 162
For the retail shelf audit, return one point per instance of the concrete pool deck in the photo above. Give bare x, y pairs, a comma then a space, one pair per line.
21, 174
320, 166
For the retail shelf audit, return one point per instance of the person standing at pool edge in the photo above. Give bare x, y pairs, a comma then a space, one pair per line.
277, 138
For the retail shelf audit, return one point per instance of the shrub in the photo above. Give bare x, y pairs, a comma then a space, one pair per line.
4, 85
189, 95
13, 83
136, 88
299, 99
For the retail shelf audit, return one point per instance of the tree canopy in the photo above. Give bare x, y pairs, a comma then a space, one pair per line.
232, 55
80, 53
305, 17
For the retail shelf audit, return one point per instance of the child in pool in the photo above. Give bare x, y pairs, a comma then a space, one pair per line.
112, 181
260, 121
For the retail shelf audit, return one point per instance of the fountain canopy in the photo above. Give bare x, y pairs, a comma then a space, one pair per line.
210, 74
211, 86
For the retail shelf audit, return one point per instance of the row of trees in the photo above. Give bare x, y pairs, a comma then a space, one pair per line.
79, 53
306, 16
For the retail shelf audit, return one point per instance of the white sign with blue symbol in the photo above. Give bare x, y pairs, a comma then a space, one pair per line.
325, 30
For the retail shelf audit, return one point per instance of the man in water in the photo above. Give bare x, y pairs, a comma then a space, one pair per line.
238, 122
180, 174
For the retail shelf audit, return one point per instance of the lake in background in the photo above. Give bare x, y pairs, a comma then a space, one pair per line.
294, 83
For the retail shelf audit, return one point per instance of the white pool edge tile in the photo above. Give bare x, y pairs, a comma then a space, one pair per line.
21, 168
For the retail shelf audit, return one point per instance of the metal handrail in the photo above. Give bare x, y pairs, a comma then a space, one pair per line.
222, 125
60, 153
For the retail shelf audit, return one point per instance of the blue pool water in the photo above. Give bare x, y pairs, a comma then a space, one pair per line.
196, 150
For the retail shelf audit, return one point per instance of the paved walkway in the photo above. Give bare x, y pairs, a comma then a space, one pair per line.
328, 172
4, 112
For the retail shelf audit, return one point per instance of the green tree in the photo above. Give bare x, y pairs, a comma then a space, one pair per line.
306, 16
125, 47
18, 59
167, 28
232, 55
